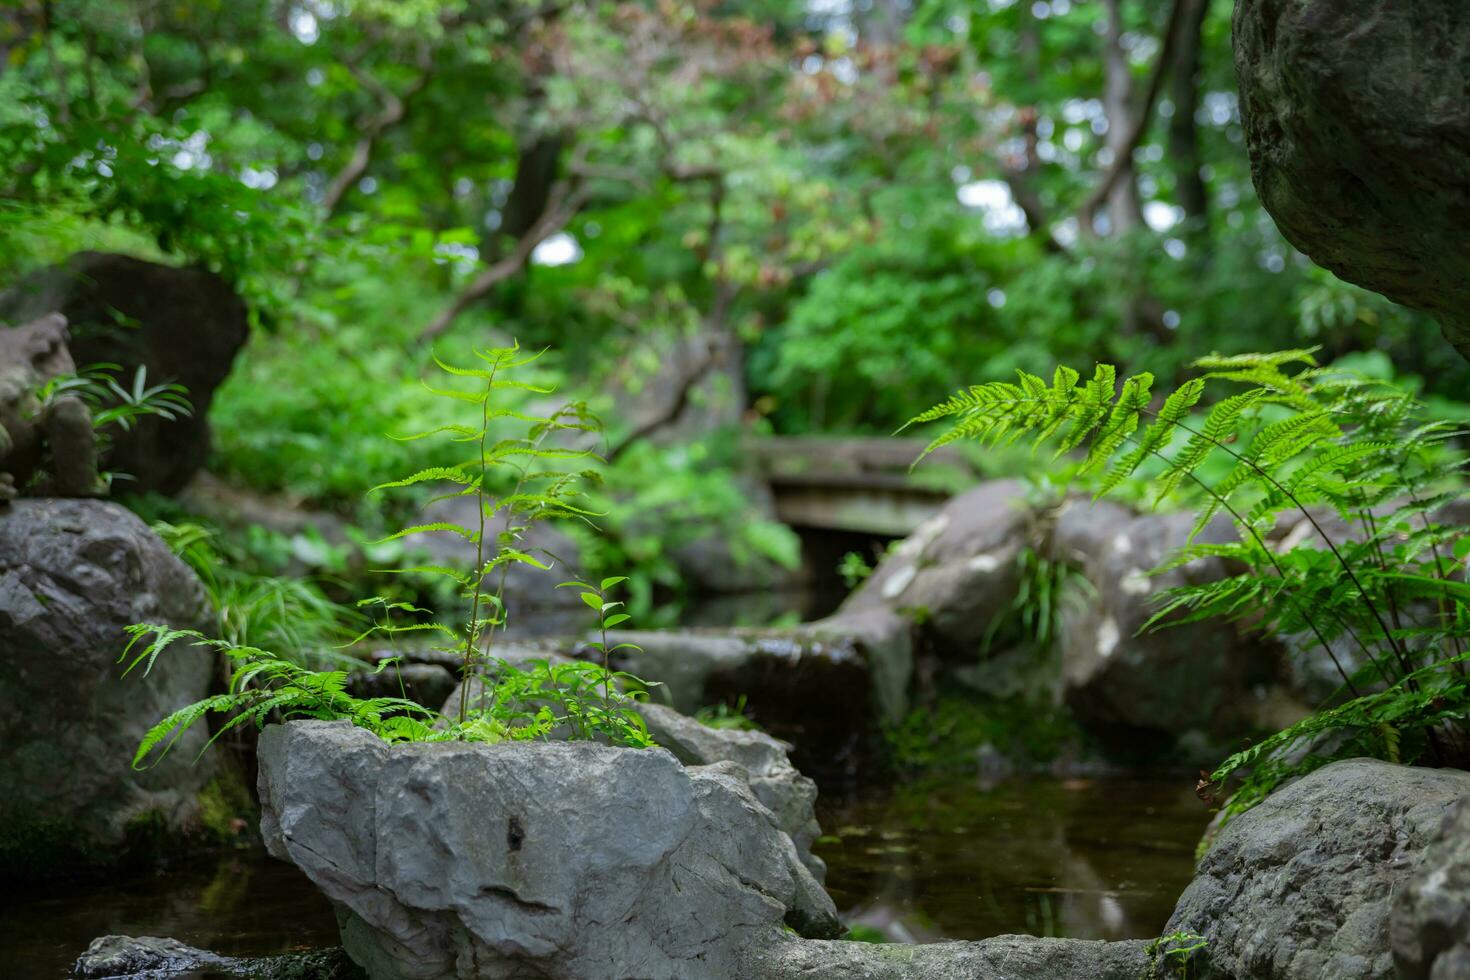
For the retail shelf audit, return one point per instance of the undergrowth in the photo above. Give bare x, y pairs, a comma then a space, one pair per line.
578, 700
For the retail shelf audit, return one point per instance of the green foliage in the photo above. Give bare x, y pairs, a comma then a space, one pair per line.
288, 615
730, 717
111, 403
1176, 954
576, 700
854, 569
1370, 582
263, 687
1044, 587
945, 736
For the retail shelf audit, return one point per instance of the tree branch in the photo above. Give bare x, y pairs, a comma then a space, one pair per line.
1122, 161
564, 205
394, 109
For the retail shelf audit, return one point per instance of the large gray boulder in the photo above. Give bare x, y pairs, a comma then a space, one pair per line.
1301, 885
958, 571
184, 325
764, 760
1430, 925
1199, 682
73, 574
1001, 958
550, 860
1358, 130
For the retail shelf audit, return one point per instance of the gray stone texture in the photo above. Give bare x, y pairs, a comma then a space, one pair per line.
73, 574
1300, 886
551, 860
1430, 924
1358, 128
1135, 689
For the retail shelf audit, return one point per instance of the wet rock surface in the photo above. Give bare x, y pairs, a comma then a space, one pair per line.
184, 325
1301, 885
150, 958
1019, 957
73, 574
553, 860
1138, 689
824, 687
1358, 132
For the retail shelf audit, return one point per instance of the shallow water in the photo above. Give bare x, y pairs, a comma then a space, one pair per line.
244, 904
1093, 859
952, 859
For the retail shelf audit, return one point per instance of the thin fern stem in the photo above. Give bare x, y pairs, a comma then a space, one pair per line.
472, 632
1444, 612
1366, 514
1271, 557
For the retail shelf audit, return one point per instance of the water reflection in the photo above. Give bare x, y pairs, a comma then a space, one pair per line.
1097, 859
1087, 859
243, 905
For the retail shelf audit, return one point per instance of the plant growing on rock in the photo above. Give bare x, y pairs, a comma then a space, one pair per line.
1335, 486
578, 700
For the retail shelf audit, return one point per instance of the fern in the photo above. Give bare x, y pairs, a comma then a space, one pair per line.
1299, 445
577, 700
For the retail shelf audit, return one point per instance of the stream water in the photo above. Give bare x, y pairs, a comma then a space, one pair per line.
954, 859
950, 859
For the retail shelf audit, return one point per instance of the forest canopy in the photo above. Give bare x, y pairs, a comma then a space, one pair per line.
719, 217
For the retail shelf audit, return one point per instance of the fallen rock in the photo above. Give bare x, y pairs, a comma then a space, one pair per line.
1140, 691
555, 860
1358, 132
1018, 957
1430, 924
149, 958
184, 325
959, 570
1301, 885
73, 574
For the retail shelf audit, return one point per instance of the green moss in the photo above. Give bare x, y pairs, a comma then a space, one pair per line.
945, 736
226, 801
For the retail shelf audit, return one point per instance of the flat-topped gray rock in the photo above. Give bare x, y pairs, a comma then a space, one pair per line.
554, 860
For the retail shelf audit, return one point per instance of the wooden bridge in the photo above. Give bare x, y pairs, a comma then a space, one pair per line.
861, 485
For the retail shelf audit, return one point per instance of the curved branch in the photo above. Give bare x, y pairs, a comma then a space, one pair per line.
394, 109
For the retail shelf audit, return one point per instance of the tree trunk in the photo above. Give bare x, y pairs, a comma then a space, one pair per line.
1183, 145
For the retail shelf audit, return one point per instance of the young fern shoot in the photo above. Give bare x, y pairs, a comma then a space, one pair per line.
541, 487
539, 482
